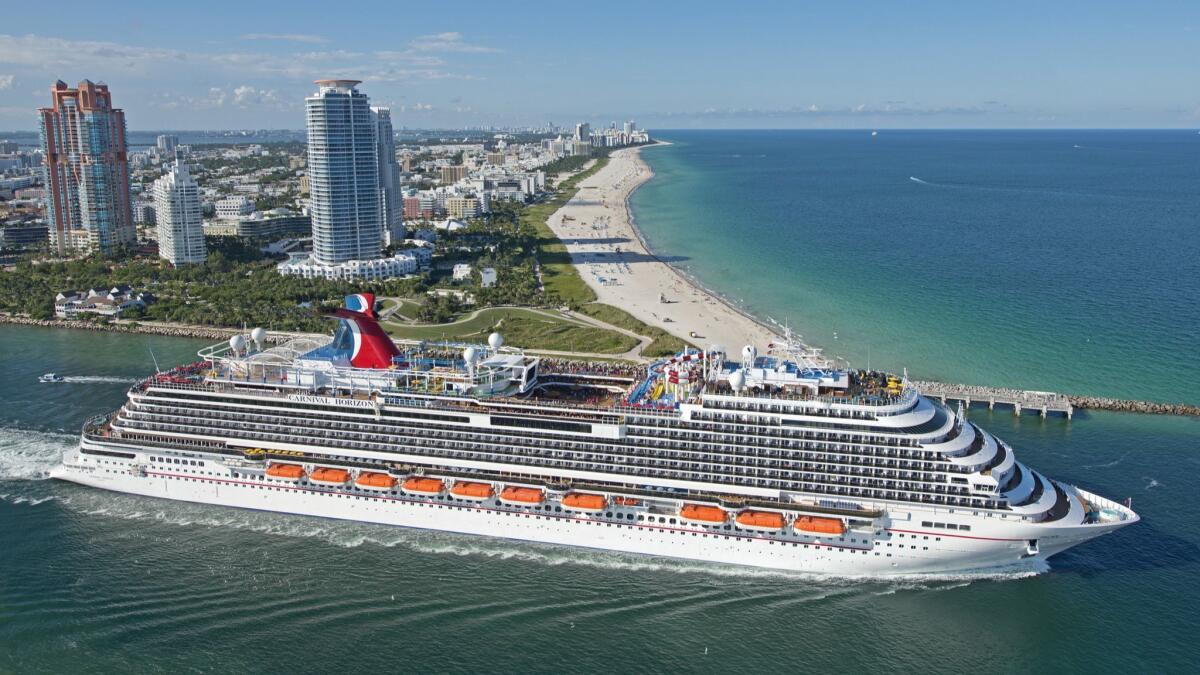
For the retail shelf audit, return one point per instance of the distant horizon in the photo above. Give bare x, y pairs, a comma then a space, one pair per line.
1107, 65
652, 130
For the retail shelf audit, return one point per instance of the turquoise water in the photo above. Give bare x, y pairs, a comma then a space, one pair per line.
1055, 260
98, 582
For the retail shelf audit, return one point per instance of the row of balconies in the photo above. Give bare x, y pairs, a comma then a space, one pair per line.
587, 450
669, 468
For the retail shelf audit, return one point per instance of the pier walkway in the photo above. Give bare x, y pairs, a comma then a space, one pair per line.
1044, 402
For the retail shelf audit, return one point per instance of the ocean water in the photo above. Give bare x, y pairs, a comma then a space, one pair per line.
98, 582
1054, 260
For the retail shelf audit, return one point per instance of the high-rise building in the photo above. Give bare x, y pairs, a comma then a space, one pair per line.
177, 213
391, 203
583, 131
166, 144
86, 170
343, 174
452, 174
629, 129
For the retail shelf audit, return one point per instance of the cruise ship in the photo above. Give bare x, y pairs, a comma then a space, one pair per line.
770, 459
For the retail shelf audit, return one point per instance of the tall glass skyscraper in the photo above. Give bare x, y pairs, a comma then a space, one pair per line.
391, 203
86, 170
343, 174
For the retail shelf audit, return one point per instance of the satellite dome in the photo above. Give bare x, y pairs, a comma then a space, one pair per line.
237, 343
259, 335
495, 341
469, 355
749, 353
737, 380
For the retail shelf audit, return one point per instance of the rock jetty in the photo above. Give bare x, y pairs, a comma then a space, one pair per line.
144, 327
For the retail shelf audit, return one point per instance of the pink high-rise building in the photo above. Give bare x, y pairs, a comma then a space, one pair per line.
86, 170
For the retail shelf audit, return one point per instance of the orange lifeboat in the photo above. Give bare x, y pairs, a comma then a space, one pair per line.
474, 491
580, 501
419, 485
701, 514
627, 501
762, 521
521, 496
369, 480
819, 525
292, 472
326, 476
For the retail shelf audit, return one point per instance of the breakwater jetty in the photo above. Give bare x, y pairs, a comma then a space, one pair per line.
1046, 402
146, 328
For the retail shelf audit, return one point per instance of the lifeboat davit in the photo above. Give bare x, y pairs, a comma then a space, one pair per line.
581, 501
292, 472
818, 525
701, 514
521, 496
477, 492
326, 476
761, 521
369, 480
419, 485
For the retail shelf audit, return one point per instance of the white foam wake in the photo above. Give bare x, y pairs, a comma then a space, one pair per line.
29, 455
93, 379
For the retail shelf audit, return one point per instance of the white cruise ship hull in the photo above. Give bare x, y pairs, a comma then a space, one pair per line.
902, 547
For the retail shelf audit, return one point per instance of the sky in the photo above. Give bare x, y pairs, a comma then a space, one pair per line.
248, 65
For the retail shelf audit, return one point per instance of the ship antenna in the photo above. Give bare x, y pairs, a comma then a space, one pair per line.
157, 371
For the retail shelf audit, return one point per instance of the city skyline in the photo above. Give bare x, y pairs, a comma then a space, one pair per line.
920, 66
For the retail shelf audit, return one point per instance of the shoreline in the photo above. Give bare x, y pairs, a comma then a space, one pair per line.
688, 277
139, 327
614, 259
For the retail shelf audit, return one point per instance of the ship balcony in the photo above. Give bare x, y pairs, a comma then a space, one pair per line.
533, 456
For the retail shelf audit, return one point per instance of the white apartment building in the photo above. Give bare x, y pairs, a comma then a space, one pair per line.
232, 208
177, 215
400, 264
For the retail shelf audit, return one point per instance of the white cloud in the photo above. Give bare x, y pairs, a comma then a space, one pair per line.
418, 107
286, 37
6, 81
49, 52
246, 96
446, 42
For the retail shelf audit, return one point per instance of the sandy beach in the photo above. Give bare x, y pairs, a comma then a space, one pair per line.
598, 231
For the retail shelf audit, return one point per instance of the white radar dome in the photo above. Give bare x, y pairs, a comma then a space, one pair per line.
237, 343
469, 355
495, 341
737, 380
749, 353
259, 335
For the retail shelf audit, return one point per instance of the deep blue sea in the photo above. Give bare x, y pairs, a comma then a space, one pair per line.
949, 277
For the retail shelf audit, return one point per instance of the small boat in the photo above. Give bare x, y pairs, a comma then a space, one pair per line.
420, 485
52, 377
326, 476
369, 480
289, 472
521, 496
760, 521
581, 501
477, 492
627, 501
701, 514
818, 525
